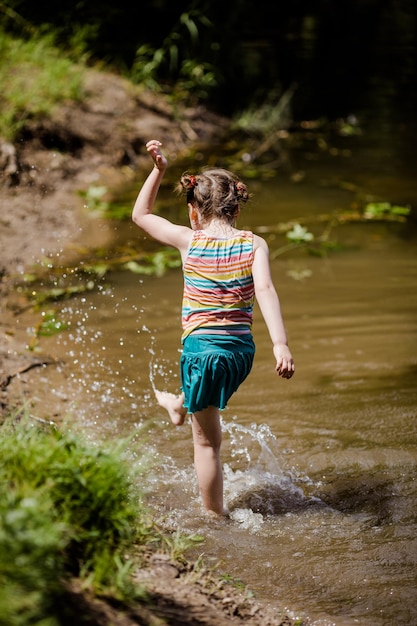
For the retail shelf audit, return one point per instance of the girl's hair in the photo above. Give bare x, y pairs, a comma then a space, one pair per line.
214, 192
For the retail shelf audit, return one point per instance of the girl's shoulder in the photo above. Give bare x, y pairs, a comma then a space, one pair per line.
259, 242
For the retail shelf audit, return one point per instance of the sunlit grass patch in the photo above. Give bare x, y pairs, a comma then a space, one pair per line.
34, 76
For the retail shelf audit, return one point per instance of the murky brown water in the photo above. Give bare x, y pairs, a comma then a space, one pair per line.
320, 470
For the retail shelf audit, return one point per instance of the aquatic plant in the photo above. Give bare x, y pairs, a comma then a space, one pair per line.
47, 283
93, 198
384, 210
299, 234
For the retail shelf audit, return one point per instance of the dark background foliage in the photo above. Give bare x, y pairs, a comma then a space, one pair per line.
341, 56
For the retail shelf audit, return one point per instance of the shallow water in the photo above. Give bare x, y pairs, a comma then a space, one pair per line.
320, 470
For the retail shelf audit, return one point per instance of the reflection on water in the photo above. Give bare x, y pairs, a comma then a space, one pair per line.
319, 470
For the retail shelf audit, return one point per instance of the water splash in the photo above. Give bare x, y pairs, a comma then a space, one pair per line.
262, 487
247, 519
160, 368
255, 482
255, 444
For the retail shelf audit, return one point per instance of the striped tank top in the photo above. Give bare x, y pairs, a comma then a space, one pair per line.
218, 285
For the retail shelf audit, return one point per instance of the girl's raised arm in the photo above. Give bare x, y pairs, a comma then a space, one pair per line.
156, 226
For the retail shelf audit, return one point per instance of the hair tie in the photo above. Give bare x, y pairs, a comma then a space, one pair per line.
193, 180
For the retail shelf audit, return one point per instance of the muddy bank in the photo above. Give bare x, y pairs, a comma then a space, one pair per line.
99, 141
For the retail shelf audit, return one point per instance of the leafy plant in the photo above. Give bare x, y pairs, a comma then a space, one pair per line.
156, 264
70, 508
172, 61
384, 210
83, 494
31, 555
49, 325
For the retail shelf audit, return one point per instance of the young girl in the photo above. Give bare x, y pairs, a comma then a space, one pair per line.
224, 270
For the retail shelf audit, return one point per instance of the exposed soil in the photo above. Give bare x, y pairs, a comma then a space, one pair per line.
100, 141
176, 595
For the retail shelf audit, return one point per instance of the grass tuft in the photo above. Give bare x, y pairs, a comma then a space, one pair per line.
67, 509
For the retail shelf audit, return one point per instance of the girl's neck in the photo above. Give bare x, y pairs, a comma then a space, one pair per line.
219, 228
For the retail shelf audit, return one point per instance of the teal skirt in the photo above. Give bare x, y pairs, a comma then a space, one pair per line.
212, 368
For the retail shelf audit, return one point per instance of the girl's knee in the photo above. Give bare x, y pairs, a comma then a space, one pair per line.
201, 439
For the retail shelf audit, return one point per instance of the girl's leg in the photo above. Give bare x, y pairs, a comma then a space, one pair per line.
207, 437
173, 404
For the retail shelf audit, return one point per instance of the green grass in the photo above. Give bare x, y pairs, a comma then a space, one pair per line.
34, 76
67, 509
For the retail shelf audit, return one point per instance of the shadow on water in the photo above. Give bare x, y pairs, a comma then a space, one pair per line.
376, 496
268, 497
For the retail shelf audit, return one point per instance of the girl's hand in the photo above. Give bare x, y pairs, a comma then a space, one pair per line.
154, 148
285, 364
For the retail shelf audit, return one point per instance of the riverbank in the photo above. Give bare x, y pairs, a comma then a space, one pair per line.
99, 141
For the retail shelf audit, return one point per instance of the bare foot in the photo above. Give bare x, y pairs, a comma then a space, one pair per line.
225, 515
173, 404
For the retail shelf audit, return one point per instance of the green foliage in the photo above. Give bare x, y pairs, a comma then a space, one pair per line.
254, 47
67, 508
196, 81
178, 543
31, 555
95, 201
34, 76
174, 63
235, 582
267, 117
50, 324
94, 198
321, 244
44, 293
156, 264
384, 210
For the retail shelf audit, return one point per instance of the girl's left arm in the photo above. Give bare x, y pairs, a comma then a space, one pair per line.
156, 226
269, 304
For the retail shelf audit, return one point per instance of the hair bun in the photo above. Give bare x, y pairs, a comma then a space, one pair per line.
188, 181
241, 191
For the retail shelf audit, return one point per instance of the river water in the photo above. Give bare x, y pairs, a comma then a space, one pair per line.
320, 471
